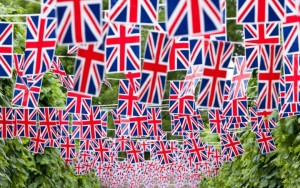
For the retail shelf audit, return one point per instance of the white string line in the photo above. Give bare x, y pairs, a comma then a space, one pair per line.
38, 14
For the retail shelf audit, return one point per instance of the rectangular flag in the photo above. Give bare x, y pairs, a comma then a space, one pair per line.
79, 21
134, 11
214, 75
292, 78
127, 98
48, 123
189, 17
260, 34
269, 76
40, 44
27, 91
6, 49
259, 11
7, 122
78, 103
89, 69
291, 27
265, 142
231, 144
178, 104
155, 68
123, 48
26, 122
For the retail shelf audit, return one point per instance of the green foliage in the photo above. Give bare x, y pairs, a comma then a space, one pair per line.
19, 167
278, 169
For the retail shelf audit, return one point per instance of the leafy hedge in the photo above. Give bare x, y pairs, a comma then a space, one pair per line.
18, 167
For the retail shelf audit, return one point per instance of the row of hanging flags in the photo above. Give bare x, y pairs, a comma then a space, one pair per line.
193, 38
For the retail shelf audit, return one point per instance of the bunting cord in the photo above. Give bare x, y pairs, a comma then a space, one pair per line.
38, 14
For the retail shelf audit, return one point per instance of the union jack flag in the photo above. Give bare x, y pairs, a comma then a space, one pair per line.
48, 123
127, 98
59, 71
78, 21
292, 78
217, 158
236, 108
176, 125
67, 148
123, 48
180, 104
261, 120
179, 54
260, 11
269, 76
291, 27
197, 149
6, 49
78, 103
240, 78
217, 121
163, 152
214, 74
263, 33
7, 122
26, 123
40, 45
102, 150
134, 152
37, 143
63, 122
193, 17
27, 91
19, 63
48, 8
89, 69
154, 121
77, 127
139, 122
155, 68
92, 125
265, 142
189, 122
136, 11
231, 144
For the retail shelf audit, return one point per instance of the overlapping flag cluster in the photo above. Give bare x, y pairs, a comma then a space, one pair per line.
193, 38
